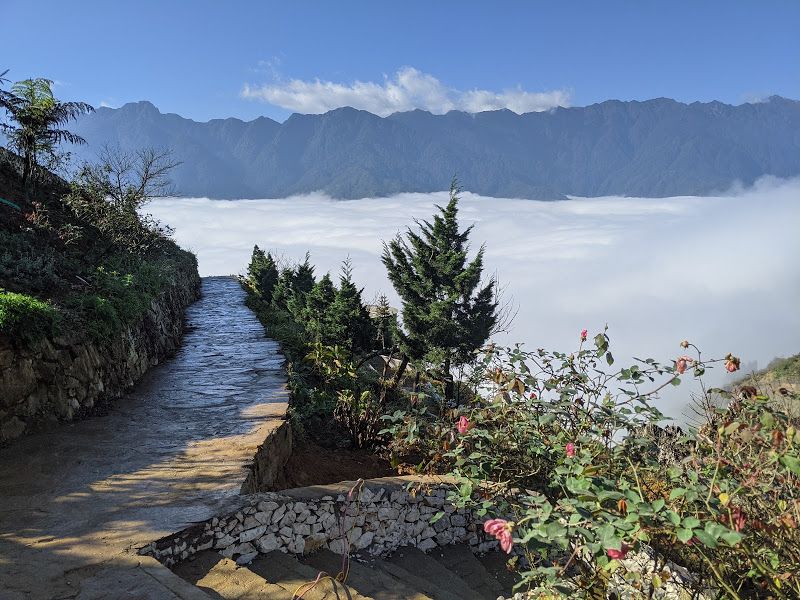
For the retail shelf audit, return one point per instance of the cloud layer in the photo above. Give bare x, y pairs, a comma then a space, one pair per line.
720, 271
408, 89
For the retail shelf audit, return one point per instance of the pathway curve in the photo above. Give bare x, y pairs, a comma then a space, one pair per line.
77, 502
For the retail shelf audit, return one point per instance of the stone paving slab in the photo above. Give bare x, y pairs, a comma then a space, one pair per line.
78, 501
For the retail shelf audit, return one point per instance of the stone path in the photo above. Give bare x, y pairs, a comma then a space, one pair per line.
77, 502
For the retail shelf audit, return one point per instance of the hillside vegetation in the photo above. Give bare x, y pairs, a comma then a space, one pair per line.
73, 262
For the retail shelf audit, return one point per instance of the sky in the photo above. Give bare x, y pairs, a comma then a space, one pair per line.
656, 271
208, 59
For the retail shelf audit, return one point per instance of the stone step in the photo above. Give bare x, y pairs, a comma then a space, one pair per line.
460, 560
290, 574
423, 566
496, 563
221, 578
371, 580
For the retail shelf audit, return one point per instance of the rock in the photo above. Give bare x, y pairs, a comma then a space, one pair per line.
224, 541
364, 541
427, 544
251, 534
268, 543
388, 514
277, 515
458, 520
246, 559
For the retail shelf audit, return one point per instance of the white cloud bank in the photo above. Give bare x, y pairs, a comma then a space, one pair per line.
407, 90
720, 271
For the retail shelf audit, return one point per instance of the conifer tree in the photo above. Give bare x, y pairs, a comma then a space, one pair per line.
263, 273
282, 292
385, 320
304, 276
447, 312
349, 322
315, 316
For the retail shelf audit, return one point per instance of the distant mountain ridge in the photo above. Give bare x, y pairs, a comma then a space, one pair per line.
653, 148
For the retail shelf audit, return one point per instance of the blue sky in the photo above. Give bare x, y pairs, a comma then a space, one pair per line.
196, 58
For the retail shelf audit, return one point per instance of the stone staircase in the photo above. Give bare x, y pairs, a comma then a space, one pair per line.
446, 573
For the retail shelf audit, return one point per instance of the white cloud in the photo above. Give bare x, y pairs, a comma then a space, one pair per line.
719, 271
406, 90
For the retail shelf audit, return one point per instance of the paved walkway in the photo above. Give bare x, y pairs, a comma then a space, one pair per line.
76, 503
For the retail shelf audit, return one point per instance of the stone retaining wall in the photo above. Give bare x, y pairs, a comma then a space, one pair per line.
376, 520
68, 377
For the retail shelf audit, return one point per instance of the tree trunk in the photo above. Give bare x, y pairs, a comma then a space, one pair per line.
27, 170
449, 387
401, 370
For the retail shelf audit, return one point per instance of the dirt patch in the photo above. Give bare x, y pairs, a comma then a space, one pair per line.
311, 464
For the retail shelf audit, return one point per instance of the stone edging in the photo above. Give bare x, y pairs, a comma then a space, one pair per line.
379, 518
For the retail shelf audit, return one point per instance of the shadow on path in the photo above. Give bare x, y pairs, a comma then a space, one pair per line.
87, 495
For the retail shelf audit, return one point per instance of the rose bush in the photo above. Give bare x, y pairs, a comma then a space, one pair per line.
556, 450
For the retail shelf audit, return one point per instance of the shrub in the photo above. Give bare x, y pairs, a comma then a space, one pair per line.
558, 450
26, 317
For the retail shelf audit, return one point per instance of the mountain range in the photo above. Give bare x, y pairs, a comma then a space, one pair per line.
654, 148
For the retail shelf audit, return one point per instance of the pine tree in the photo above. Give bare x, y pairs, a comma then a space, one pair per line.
315, 317
447, 312
263, 273
304, 276
385, 320
282, 292
349, 323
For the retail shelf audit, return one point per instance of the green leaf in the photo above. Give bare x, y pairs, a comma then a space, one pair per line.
675, 381
677, 493
674, 517
792, 463
684, 535
731, 537
705, 538
691, 522
436, 517
609, 359
658, 504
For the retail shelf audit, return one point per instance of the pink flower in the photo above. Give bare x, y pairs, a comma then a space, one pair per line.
463, 425
731, 363
618, 554
501, 529
683, 363
584, 334
570, 449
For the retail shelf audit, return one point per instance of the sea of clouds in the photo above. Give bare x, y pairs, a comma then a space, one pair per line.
720, 271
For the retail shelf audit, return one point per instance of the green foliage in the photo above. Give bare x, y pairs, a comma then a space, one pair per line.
327, 335
561, 449
36, 120
263, 273
26, 317
348, 320
447, 312
93, 258
386, 326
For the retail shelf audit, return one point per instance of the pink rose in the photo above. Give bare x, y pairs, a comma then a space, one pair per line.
570, 449
463, 425
501, 529
683, 363
731, 363
618, 554
584, 334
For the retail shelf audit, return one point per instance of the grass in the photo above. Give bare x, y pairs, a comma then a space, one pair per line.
27, 317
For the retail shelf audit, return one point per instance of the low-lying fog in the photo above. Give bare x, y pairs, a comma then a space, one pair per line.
720, 271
